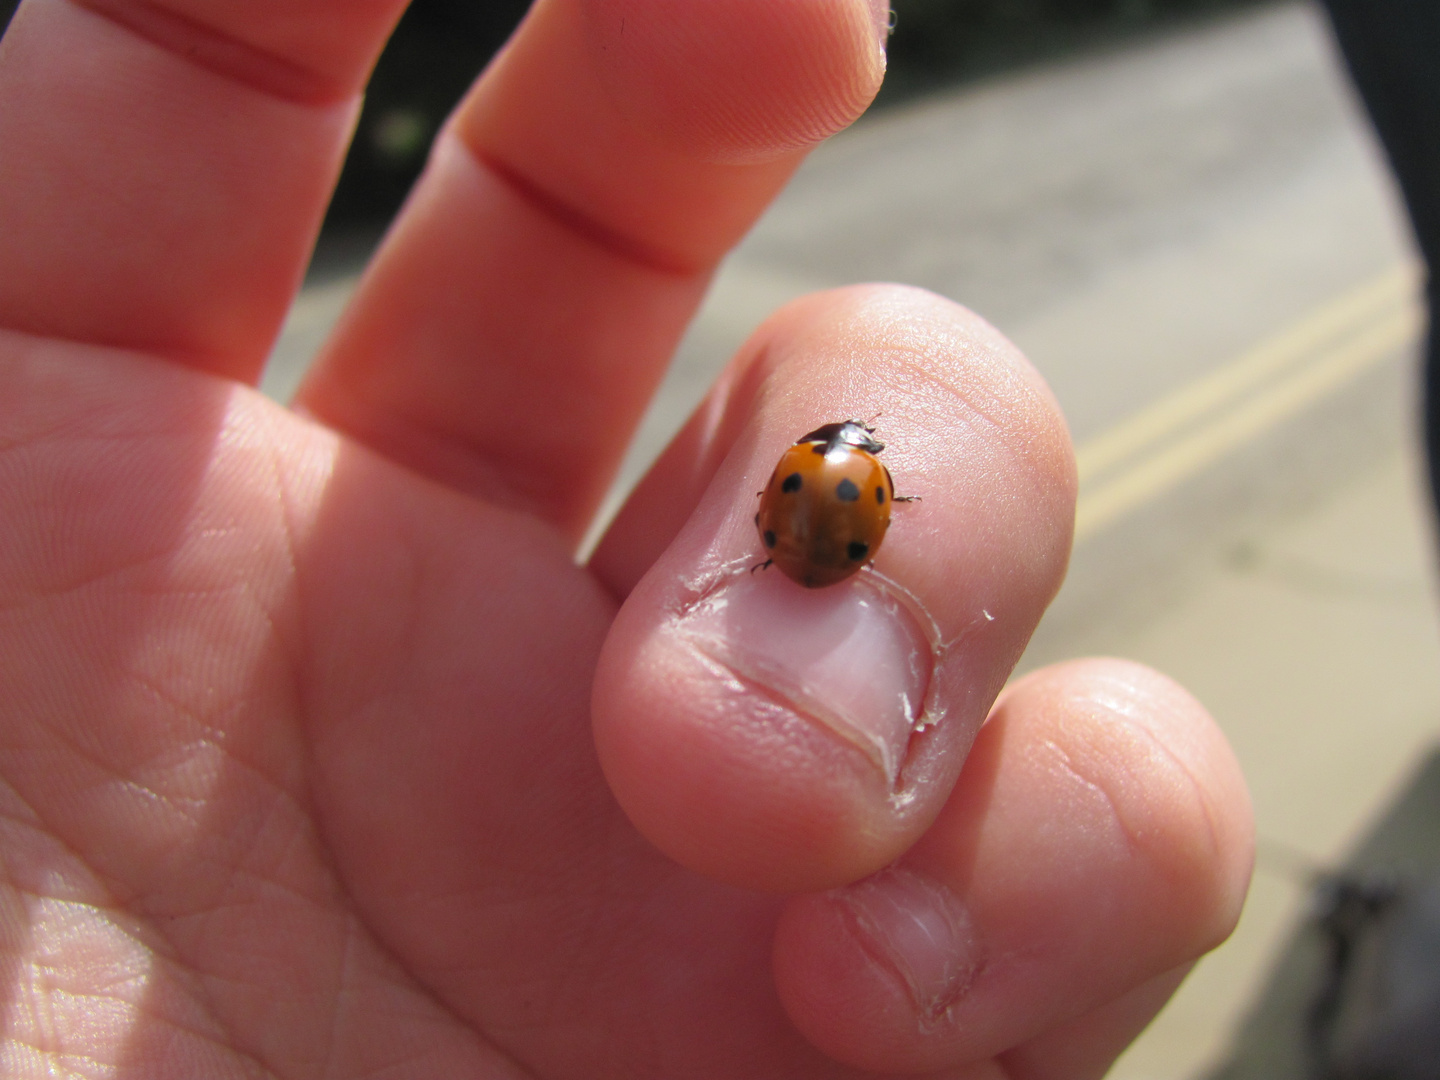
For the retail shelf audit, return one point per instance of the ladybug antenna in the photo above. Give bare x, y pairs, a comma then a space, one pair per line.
870, 424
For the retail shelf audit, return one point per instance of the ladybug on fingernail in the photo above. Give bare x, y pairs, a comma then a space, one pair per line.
826, 508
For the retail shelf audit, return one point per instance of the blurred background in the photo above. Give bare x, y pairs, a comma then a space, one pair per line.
1178, 210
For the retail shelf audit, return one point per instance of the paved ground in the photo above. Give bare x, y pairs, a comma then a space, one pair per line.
1315, 645
1195, 242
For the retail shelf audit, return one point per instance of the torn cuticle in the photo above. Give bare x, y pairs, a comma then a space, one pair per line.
920, 930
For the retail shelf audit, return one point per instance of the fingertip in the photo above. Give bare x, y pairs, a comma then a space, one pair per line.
1173, 780
668, 124
761, 81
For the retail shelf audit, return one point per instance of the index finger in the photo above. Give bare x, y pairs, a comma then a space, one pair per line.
166, 165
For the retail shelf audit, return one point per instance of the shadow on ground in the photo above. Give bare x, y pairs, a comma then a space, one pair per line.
1359, 976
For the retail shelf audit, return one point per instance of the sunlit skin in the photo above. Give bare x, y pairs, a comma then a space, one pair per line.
314, 739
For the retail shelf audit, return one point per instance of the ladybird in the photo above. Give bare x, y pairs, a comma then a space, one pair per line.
824, 512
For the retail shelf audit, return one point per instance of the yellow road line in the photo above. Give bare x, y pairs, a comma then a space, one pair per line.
1294, 344
1304, 364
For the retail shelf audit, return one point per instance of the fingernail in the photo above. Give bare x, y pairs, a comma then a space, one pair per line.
920, 929
849, 657
880, 15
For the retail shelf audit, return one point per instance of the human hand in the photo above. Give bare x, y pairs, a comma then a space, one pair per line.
299, 771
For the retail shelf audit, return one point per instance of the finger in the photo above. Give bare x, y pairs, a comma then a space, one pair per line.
767, 734
1085, 1048
1099, 838
513, 327
166, 165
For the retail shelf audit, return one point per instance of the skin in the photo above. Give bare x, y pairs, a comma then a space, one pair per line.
319, 756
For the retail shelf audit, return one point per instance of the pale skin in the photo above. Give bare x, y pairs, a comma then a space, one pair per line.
321, 757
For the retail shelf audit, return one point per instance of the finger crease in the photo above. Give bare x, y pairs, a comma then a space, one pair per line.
220, 53
578, 222
1068, 765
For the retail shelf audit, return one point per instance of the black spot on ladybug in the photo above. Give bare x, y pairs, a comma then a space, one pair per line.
880, 495
819, 448
769, 538
858, 549
791, 484
846, 491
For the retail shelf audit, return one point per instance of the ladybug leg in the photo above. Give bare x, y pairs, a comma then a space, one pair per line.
762, 565
893, 496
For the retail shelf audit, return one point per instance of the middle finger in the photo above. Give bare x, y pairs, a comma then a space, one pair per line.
516, 321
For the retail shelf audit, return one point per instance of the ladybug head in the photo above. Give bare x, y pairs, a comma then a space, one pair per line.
847, 433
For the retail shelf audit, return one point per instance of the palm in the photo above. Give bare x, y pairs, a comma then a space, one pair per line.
297, 731
370, 804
